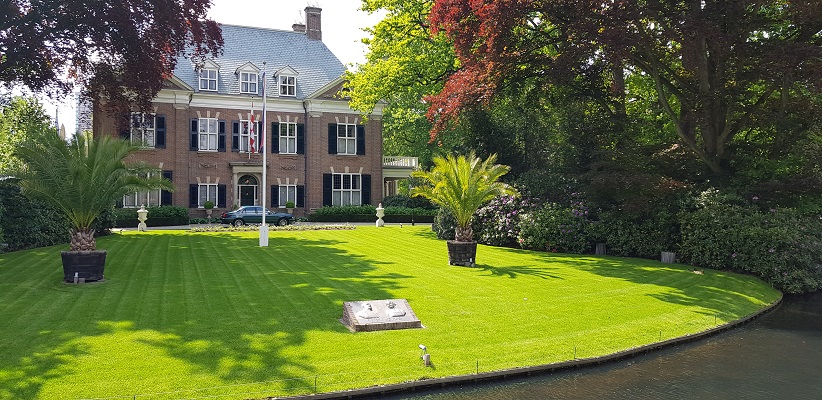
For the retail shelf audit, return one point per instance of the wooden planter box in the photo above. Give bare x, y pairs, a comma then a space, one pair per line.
87, 265
462, 253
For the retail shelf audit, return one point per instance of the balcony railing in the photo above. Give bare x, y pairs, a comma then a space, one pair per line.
400, 162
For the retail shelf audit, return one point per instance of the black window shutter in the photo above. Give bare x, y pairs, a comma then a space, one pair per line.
192, 195
275, 138
300, 196
366, 189
221, 195
332, 138
327, 189
361, 140
165, 195
275, 192
258, 130
125, 130
235, 135
119, 203
301, 139
194, 142
160, 131
221, 136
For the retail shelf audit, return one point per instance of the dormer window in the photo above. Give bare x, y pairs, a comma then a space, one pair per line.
248, 82
288, 85
208, 79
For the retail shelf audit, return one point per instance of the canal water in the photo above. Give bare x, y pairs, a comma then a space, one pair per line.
776, 356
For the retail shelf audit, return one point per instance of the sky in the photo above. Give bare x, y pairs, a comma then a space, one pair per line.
342, 23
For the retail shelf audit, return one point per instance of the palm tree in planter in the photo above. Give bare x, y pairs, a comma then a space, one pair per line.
83, 178
461, 185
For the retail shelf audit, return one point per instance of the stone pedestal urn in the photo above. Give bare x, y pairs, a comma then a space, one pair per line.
380, 214
142, 217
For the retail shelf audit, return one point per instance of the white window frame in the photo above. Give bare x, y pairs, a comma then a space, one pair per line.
287, 193
288, 138
245, 137
249, 82
208, 131
206, 192
148, 198
208, 79
143, 130
346, 189
288, 85
346, 139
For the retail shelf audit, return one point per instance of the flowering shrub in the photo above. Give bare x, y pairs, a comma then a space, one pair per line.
780, 246
497, 223
555, 228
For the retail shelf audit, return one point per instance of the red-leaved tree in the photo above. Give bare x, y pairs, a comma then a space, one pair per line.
120, 50
720, 67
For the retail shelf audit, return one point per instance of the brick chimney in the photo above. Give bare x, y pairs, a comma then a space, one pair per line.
313, 23
298, 28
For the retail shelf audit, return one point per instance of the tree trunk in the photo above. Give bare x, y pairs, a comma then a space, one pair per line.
82, 240
464, 234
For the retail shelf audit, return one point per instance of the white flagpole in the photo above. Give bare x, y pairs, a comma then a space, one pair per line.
261, 147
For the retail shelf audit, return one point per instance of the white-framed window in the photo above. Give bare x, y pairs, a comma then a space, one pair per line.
287, 193
288, 138
149, 198
288, 85
208, 132
142, 129
208, 79
249, 137
206, 192
346, 190
346, 139
248, 82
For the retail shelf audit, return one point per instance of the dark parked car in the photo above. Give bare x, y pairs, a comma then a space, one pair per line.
254, 215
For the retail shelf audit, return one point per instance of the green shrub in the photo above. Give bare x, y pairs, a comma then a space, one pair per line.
445, 225
780, 246
157, 216
401, 200
631, 236
368, 213
26, 224
556, 229
497, 223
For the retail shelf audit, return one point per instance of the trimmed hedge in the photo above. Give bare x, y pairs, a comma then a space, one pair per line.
368, 213
26, 224
157, 216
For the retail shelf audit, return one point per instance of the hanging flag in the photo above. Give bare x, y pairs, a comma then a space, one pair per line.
251, 133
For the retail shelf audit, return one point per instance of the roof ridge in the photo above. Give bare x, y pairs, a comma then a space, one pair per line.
261, 28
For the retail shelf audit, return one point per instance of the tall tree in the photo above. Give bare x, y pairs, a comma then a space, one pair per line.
717, 66
405, 62
21, 119
121, 50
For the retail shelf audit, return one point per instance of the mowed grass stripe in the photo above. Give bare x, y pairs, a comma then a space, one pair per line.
200, 312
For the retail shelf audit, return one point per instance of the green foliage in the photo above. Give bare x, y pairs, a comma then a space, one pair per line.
368, 213
628, 236
498, 222
28, 224
445, 225
83, 178
462, 184
289, 204
780, 246
555, 228
408, 202
157, 216
208, 205
21, 119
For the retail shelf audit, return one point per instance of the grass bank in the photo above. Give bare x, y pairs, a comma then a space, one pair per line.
193, 315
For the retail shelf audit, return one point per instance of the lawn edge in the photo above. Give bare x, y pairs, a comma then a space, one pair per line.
515, 372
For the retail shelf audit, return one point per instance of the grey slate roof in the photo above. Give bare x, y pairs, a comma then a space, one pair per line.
314, 63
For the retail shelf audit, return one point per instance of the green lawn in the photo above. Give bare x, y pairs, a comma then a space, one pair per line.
214, 314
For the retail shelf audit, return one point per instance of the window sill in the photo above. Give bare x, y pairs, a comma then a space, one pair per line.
206, 151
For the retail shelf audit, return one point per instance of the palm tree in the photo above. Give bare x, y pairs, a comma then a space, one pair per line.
82, 178
461, 185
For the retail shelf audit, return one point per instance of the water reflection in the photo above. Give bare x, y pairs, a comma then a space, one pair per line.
776, 356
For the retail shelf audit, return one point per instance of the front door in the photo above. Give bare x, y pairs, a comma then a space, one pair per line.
247, 187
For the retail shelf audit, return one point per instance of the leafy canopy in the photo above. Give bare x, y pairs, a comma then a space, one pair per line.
462, 184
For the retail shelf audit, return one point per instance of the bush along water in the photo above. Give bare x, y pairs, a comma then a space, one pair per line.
555, 228
780, 246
